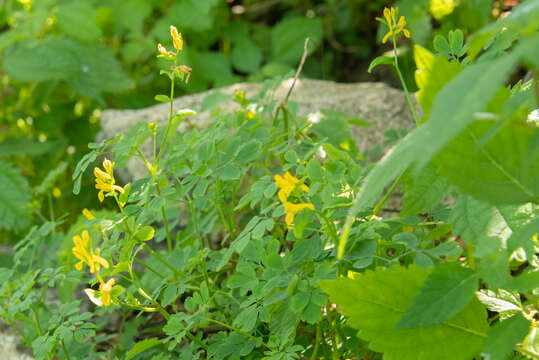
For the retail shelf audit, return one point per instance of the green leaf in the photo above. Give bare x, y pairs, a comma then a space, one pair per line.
500, 302
162, 98
524, 282
446, 291
25, 146
145, 233
192, 15
502, 337
422, 190
249, 152
14, 198
78, 20
246, 319
374, 301
432, 74
380, 60
502, 171
81, 167
479, 223
288, 38
130, 15
452, 111
228, 172
441, 45
48, 59
246, 56
142, 346
315, 170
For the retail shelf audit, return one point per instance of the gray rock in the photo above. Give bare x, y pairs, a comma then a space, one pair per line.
385, 107
9, 340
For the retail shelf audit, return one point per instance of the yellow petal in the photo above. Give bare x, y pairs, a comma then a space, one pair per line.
100, 174
108, 166
88, 214
78, 265
387, 15
402, 22
101, 196
406, 33
289, 218
162, 50
384, 40
282, 196
100, 260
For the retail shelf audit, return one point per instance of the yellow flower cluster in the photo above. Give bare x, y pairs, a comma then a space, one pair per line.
287, 185
395, 27
83, 251
104, 180
177, 42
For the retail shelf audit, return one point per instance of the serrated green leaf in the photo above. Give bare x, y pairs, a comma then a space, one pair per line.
452, 111
490, 171
422, 190
142, 346
288, 38
502, 337
479, 223
502, 301
14, 198
374, 301
446, 291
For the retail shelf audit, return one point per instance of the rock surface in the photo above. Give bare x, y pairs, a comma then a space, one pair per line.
385, 107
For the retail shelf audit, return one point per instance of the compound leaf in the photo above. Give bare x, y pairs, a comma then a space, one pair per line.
374, 301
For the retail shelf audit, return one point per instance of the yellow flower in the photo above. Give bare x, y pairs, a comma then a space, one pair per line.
104, 180
293, 209
106, 289
177, 40
87, 214
395, 27
287, 185
84, 252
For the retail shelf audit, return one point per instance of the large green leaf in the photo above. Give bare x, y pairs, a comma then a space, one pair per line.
49, 59
374, 302
288, 38
246, 56
78, 20
502, 337
422, 190
89, 69
501, 171
479, 223
14, 198
446, 291
452, 111
432, 74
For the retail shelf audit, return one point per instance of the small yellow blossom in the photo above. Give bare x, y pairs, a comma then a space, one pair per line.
176, 38
293, 209
287, 185
104, 180
87, 214
84, 252
106, 289
56, 192
395, 27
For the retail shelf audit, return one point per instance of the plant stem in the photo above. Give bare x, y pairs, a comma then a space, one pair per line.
159, 257
316, 342
65, 350
381, 203
406, 92
241, 332
170, 117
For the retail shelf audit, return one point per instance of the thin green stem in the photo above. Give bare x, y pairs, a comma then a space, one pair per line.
241, 332
65, 350
316, 342
381, 203
159, 257
406, 92
169, 125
